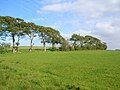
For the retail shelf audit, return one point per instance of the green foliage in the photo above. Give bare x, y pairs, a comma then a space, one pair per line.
4, 47
87, 43
84, 70
53, 49
16, 27
64, 45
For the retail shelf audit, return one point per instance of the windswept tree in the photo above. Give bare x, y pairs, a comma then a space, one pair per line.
64, 45
103, 46
1, 32
75, 41
55, 37
1, 23
16, 28
30, 31
43, 35
3, 27
49, 35
87, 42
12, 29
93, 43
19, 33
12, 26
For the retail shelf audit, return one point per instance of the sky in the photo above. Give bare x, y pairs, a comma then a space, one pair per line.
99, 18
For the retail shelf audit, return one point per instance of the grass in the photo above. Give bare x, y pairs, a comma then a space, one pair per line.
34, 47
80, 70
27, 47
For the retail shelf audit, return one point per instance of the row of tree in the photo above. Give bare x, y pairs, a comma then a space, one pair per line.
17, 28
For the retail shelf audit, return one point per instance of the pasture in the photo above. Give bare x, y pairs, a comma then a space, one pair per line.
74, 70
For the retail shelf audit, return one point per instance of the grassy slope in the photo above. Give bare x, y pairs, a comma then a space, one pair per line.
60, 70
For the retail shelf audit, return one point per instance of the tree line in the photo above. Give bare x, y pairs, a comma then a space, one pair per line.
17, 29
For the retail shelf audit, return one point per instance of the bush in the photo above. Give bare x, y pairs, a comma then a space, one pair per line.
63, 48
1, 49
4, 47
66, 48
53, 49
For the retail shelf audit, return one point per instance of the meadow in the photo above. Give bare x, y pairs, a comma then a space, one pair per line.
72, 70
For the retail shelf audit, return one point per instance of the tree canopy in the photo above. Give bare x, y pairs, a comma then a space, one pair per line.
16, 27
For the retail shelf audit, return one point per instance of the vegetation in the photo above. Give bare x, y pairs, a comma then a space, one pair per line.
37, 70
75, 70
87, 43
16, 27
4, 47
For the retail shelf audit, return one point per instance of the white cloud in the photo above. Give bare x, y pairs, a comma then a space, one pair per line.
100, 18
92, 8
82, 32
57, 7
106, 27
79, 32
49, 2
110, 33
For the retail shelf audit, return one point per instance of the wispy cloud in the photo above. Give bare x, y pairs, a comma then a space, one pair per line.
100, 18
90, 7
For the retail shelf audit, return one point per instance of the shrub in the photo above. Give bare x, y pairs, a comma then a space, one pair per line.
4, 47
53, 49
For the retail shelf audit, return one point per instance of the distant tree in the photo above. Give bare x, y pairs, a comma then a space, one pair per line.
11, 26
87, 42
55, 37
2, 28
43, 35
93, 43
30, 30
19, 33
64, 45
77, 41
16, 28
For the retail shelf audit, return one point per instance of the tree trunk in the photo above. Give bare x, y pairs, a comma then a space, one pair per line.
17, 47
13, 39
74, 45
31, 45
53, 45
17, 44
44, 45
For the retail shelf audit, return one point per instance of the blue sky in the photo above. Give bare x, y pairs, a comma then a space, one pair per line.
99, 18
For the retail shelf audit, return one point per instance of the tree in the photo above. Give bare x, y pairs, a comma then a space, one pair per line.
77, 41
54, 36
64, 45
16, 28
10, 25
2, 28
19, 33
43, 35
30, 30
88, 42
93, 43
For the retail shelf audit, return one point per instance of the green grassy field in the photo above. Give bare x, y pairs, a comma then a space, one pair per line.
27, 47
80, 70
